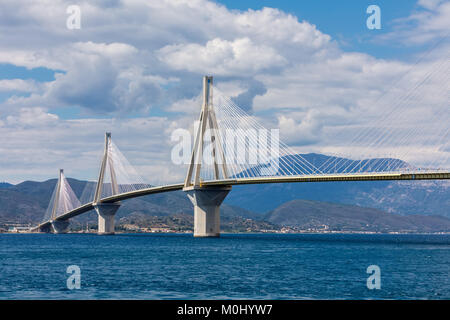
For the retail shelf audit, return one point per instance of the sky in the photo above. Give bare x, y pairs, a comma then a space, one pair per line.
313, 69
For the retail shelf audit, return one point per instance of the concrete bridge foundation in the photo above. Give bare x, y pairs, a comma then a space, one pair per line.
207, 203
106, 213
45, 229
60, 226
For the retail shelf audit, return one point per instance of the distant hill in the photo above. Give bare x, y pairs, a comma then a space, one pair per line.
185, 222
315, 215
5, 185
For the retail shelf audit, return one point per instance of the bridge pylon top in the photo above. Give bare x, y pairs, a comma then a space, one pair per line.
207, 119
57, 194
106, 161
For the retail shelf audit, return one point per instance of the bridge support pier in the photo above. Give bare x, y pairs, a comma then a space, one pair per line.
207, 203
46, 229
106, 213
60, 226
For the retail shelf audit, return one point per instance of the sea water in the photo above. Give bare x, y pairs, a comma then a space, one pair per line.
234, 266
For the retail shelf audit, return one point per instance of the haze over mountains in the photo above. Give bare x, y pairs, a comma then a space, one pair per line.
348, 206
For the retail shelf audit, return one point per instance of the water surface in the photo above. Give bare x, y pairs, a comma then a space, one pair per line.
235, 266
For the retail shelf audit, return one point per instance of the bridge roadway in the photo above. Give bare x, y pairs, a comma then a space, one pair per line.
241, 181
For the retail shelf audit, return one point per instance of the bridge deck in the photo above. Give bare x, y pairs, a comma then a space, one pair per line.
334, 178
241, 181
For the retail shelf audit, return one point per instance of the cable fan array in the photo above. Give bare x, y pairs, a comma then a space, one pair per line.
66, 200
399, 139
250, 150
119, 170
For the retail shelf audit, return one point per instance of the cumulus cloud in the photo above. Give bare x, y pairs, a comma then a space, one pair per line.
31, 117
222, 57
133, 37
132, 58
306, 132
245, 99
41, 143
20, 85
83, 83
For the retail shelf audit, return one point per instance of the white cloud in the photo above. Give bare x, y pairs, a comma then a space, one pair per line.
222, 57
41, 143
132, 57
430, 22
20, 85
32, 117
306, 132
430, 4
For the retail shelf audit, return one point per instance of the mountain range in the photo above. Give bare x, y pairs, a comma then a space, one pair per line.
314, 215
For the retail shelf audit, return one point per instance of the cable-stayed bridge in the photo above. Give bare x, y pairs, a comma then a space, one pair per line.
232, 148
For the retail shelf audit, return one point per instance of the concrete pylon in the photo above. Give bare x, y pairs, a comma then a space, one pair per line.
206, 200
60, 226
207, 118
106, 211
45, 229
57, 194
207, 203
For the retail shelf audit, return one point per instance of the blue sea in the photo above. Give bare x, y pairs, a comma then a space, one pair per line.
235, 266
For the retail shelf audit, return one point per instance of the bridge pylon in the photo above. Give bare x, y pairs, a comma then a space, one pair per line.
206, 200
58, 226
106, 211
